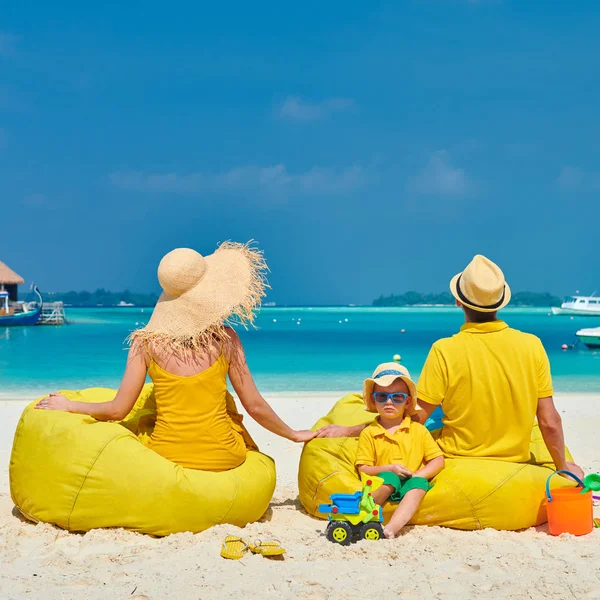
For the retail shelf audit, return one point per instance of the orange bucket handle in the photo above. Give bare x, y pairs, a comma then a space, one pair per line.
548, 494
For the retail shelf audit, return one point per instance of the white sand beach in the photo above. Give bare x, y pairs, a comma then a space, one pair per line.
41, 561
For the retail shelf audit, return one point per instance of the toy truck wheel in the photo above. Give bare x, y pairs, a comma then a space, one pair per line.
339, 532
371, 531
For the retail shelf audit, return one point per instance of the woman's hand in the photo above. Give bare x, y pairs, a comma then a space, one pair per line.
115, 410
256, 406
303, 435
54, 402
334, 431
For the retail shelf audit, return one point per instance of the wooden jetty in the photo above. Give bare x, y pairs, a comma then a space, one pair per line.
53, 313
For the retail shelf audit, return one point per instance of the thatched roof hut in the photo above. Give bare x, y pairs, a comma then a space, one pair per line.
9, 280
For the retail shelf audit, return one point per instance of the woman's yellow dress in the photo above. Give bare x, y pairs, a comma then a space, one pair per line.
193, 427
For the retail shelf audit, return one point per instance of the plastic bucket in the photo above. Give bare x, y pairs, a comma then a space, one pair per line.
569, 511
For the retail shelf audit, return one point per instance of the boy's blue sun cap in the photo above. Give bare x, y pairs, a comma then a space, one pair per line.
384, 375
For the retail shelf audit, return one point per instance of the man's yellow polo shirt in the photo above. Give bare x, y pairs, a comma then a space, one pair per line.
411, 445
488, 379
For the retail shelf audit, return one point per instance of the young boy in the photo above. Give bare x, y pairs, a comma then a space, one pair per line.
395, 448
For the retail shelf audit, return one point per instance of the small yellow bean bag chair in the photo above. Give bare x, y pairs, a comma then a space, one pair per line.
81, 474
470, 493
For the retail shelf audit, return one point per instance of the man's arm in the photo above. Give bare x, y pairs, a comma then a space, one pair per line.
432, 385
552, 431
425, 412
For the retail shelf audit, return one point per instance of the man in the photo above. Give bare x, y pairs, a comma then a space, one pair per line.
491, 380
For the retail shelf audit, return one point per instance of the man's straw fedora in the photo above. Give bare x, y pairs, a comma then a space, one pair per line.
203, 294
481, 286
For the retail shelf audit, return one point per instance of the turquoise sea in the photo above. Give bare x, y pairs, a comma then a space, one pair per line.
293, 350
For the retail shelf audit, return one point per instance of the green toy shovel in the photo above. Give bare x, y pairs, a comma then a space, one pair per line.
591, 482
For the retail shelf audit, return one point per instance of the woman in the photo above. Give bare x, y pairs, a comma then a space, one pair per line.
188, 349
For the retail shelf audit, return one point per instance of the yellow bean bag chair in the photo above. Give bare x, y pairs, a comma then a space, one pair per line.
470, 493
81, 474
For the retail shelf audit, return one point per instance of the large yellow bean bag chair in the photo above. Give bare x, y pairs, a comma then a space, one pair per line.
470, 493
81, 474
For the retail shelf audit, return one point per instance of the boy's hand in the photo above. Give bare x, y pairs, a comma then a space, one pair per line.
401, 471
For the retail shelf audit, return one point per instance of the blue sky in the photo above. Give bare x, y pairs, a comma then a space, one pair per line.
369, 147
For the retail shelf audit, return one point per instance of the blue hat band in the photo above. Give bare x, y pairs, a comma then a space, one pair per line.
389, 372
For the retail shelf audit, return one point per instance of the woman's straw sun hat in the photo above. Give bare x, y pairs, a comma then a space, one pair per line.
203, 294
385, 374
481, 286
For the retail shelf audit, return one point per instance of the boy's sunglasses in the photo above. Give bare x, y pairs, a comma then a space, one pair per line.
395, 397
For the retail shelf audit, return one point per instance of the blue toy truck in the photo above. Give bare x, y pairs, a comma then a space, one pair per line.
353, 516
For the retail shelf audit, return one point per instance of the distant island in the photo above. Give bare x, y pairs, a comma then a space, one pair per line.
108, 299
446, 299
101, 297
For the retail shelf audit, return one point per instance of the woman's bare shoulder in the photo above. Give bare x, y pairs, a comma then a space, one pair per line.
232, 347
231, 333
138, 351
181, 360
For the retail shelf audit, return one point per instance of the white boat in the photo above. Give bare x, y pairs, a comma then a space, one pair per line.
579, 305
590, 337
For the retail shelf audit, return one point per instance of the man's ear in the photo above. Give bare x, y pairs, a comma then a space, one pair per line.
458, 303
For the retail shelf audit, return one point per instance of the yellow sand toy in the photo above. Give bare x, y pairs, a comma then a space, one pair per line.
354, 515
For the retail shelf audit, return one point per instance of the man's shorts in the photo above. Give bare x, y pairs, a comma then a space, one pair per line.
402, 486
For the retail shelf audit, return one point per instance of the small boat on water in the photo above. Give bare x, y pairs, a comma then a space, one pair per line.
590, 337
19, 314
584, 306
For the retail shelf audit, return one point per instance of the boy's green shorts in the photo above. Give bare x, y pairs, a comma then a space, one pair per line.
401, 486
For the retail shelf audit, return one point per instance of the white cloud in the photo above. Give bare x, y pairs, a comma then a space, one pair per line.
570, 177
439, 177
274, 179
7, 44
575, 178
35, 200
296, 109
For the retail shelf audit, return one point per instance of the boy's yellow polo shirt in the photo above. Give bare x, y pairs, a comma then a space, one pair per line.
488, 379
410, 445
